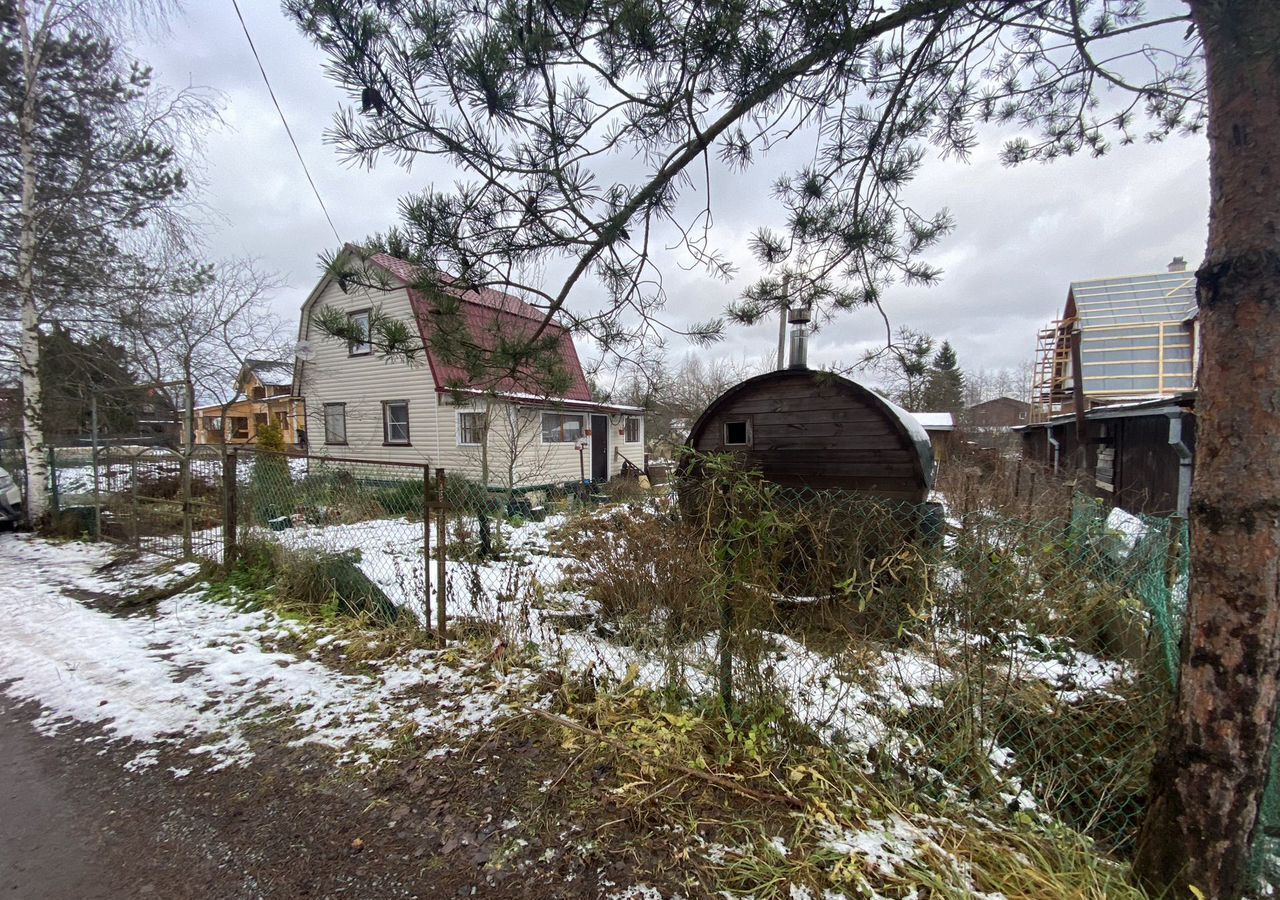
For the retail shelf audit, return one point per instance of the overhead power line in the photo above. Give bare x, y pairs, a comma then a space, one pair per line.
285, 122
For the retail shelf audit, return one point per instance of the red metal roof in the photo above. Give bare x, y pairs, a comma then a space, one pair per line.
488, 315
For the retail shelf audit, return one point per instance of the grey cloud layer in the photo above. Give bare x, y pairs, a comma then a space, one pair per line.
1021, 235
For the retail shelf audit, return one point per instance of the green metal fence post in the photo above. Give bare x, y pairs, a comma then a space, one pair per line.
229, 491
137, 509
97, 488
441, 621
426, 543
184, 470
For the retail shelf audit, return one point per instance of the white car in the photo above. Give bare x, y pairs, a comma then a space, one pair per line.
10, 500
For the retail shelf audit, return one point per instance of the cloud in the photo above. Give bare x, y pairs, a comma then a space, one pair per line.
1022, 235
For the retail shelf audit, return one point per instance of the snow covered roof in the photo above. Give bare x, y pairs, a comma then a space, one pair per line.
935, 421
542, 400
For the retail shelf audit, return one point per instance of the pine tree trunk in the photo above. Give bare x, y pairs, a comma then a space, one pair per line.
35, 497
1210, 776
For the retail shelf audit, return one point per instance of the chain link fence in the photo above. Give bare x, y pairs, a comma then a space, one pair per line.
1013, 652
155, 499
1011, 646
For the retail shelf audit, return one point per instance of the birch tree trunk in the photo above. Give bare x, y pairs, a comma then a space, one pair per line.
1209, 778
35, 496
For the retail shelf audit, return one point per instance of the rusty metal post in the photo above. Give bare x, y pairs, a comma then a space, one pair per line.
1173, 553
441, 621
230, 512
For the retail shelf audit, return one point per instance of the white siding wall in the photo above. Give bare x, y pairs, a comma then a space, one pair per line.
364, 382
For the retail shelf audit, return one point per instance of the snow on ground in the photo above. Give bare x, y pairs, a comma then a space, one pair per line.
195, 673
526, 592
849, 711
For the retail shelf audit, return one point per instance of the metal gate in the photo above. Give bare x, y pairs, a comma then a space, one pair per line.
162, 501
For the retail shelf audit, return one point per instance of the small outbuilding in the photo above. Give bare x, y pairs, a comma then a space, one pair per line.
803, 428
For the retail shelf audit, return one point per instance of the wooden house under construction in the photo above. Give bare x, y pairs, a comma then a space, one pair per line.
1118, 340
1114, 388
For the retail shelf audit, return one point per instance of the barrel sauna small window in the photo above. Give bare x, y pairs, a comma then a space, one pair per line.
737, 433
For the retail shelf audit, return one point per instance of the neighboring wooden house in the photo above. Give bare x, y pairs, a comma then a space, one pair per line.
1114, 389
1144, 451
265, 392
1000, 412
991, 423
813, 429
512, 434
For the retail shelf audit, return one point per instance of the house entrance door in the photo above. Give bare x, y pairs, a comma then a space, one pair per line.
599, 448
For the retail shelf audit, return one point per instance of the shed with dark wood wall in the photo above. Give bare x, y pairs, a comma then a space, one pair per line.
803, 428
1142, 453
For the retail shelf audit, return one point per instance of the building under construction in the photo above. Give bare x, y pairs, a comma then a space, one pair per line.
1119, 340
1113, 388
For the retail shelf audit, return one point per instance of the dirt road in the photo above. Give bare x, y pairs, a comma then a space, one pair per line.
52, 833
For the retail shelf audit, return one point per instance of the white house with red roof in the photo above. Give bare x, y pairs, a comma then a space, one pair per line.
362, 404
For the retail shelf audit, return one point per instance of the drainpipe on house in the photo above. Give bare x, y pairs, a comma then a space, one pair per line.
1053, 442
1185, 458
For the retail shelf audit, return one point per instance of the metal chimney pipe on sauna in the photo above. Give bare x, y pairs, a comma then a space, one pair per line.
799, 318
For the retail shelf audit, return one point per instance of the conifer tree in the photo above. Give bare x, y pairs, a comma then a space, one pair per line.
580, 125
944, 383
87, 162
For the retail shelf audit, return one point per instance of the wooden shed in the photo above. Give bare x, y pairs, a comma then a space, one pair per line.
818, 430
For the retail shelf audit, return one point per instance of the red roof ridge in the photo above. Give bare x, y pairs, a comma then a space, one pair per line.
480, 307
489, 297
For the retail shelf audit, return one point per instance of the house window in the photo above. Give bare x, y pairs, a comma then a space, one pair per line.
360, 321
395, 422
282, 419
558, 428
260, 421
737, 433
632, 430
213, 424
335, 423
470, 429
259, 393
240, 427
280, 390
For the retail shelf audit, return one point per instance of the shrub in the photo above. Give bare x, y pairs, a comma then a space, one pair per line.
645, 571
318, 582
270, 481
403, 498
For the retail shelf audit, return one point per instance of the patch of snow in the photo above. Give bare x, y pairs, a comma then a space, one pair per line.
637, 892
197, 672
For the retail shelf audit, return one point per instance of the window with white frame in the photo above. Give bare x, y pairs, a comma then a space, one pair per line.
631, 430
470, 429
395, 422
359, 321
335, 423
558, 428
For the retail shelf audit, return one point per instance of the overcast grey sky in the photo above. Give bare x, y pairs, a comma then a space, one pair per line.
1021, 234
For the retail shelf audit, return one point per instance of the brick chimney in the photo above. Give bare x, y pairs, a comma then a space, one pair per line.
1179, 264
